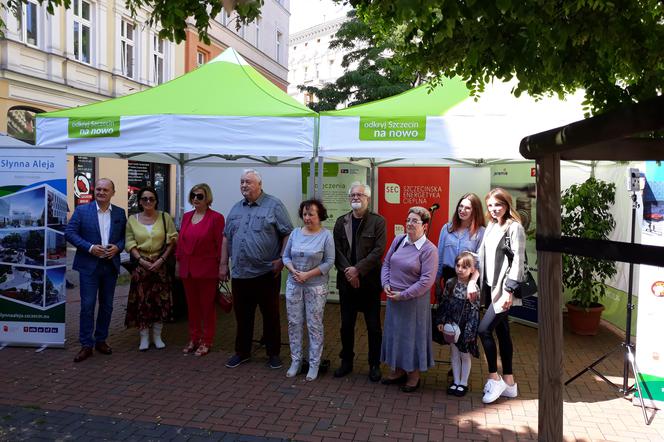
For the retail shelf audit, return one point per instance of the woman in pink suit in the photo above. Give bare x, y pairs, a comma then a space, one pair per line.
199, 255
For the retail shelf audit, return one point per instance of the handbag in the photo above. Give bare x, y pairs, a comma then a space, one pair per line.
170, 259
527, 287
224, 297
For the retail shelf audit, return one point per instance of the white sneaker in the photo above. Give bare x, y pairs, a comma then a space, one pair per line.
493, 389
510, 391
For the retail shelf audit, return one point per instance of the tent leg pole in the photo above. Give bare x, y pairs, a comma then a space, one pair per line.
180, 208
372, 184
319, 193
312, 177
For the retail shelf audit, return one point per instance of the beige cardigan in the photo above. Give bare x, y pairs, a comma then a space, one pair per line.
502, 270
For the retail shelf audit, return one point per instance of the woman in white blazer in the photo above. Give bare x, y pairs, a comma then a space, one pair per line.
504, 235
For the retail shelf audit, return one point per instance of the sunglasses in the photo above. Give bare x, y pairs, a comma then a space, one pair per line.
197, 196
148, 199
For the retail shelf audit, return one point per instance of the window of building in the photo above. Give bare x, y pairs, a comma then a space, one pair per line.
21, 123
127, 38
28, 23
141, 174
82, 30
258, 32
157, 59
201, 58
279, 44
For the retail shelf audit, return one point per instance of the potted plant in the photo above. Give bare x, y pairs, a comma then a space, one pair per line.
585, 214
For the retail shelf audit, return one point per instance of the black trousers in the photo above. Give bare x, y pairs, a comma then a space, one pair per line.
354, 301
500, 323
261, 291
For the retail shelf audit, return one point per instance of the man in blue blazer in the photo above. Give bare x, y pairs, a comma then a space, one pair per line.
97, 230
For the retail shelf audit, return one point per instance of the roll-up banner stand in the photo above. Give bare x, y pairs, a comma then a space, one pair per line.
33, 251
649, 348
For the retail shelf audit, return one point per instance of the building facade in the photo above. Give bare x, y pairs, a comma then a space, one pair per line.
311, 61
262, 43
95, 51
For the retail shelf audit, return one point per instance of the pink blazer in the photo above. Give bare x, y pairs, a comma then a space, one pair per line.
198, 256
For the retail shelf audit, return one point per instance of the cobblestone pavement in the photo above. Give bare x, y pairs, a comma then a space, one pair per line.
164, 395
31, 423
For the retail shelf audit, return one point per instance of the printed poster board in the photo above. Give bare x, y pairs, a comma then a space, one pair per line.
33, 251
649, 349
401, 188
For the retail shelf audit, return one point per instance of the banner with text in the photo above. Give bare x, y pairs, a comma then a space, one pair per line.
33, 251
401, 188
337, 178
649, 351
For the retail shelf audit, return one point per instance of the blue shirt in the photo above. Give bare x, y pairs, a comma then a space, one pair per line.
450, 244
254, 232
306, 252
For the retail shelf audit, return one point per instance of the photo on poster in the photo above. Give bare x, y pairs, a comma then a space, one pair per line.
22, 284
56, 209
55, 292
22, 209
56, 248
653, 200
22, 246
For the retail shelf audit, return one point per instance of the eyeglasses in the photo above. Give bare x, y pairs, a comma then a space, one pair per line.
148, 199
356, 195
197, 196
413, 221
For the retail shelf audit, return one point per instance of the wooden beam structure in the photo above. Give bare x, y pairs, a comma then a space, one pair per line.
626, 134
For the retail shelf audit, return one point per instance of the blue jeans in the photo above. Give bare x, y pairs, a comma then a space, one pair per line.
100, 283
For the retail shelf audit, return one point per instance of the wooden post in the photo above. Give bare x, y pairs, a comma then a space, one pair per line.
550, 418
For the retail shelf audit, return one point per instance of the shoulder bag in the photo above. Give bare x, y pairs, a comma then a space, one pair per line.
527, 287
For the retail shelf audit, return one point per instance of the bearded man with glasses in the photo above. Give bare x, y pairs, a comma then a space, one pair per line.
359, 240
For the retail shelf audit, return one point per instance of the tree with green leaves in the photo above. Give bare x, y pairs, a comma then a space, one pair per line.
371, 71
613, 49
170, 15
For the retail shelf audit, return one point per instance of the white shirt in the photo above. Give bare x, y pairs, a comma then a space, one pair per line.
104, 220
418, 244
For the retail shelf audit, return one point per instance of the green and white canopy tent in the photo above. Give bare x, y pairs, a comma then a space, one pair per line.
223, 107
443, 122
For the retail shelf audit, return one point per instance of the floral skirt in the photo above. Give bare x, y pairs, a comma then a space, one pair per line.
150, 297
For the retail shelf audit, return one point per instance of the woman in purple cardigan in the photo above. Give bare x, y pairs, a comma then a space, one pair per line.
408, 272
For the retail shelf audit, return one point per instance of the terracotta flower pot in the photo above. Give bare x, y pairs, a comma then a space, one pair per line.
584, 321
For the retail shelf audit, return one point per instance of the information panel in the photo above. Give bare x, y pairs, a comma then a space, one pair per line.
33, 251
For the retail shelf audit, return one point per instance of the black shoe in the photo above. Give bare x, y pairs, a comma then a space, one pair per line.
461, 390
452, 389
374, 373
392, 381
410, 388
274, 362
344, 369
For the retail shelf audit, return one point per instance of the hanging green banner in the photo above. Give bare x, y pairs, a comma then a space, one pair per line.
393, 129
94, 127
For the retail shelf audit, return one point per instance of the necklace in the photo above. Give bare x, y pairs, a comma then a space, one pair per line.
197, 217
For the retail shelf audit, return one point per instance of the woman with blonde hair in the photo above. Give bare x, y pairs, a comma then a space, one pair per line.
199, 259
504, 236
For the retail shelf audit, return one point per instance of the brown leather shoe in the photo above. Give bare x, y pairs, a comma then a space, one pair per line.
103, 348
83, 354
